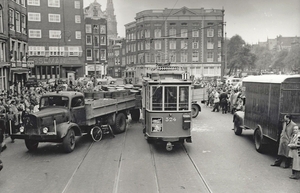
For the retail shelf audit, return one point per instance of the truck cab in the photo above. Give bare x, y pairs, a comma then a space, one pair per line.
58, 119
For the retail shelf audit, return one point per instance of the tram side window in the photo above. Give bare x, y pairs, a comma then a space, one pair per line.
184, 98
171, 98
156, 98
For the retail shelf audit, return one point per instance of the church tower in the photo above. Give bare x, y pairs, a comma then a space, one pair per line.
111, 20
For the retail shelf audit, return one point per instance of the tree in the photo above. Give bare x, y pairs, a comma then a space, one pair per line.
292, 60
278, 62
264, 58
239, 56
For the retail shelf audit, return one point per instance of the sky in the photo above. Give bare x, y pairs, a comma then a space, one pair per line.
254, 20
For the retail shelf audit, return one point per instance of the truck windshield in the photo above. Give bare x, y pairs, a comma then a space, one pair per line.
50, 101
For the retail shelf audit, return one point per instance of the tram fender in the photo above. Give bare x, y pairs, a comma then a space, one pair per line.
63, 128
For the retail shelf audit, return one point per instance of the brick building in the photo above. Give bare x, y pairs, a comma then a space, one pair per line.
4, 49
191, 38
56, 39
95, 40
17, 44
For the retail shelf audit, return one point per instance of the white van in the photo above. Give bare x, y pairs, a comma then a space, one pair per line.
233, 81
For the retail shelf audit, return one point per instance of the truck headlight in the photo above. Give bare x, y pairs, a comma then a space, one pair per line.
22, 129
45, 130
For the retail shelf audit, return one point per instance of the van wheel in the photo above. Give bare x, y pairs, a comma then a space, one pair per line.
120, 123
237, 129
69, 141
31, 144
258, 140
195, 111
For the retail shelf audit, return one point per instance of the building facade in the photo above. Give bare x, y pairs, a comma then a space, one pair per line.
95, 40
17, 44
112, 31
56, 38
4, 43
115, 66
191, 38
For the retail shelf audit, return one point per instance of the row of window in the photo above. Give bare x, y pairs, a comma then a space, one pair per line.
95, 40
171, 57
89, 28
53, 34
17, 21
157, 45
51, 3
55, 51
95, 54
20, 2
52, 17
157, 33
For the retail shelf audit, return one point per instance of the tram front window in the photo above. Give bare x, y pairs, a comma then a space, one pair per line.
157, 98
184, 98
171, 98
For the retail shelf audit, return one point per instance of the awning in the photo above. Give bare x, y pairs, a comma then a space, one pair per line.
19, 70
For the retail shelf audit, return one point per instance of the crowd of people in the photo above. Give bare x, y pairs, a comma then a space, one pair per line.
225, 98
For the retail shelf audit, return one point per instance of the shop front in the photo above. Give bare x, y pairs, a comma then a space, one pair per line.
56, 67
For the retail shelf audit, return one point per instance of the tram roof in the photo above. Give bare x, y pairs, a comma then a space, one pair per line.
170, 80
269, 78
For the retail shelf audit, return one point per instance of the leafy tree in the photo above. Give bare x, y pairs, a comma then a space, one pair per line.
264, 58
292, 60
239, 56
279, 58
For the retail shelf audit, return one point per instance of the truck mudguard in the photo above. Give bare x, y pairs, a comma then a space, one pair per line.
63, 128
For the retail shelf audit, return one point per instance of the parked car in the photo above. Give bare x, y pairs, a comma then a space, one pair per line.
31, 82
106, 80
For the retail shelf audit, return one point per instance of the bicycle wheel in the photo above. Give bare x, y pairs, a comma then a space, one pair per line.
96, 133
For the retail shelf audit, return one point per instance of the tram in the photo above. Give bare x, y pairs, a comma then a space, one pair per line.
167, 106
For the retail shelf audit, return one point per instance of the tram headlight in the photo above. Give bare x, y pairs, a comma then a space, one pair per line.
186, 121
45, 130
22, 129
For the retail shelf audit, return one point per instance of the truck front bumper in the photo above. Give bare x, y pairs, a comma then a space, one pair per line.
46, 138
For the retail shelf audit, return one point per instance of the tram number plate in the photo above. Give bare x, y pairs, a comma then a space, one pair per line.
170, 119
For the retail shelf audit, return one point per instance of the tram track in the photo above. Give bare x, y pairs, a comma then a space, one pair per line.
197, 169
160, 187
77, 168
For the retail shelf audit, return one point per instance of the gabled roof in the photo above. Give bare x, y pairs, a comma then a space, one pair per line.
184, 11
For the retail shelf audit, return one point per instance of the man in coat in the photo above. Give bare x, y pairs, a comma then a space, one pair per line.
294, 146
285, 138
1, 140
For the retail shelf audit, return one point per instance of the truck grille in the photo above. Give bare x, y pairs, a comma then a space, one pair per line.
30, 125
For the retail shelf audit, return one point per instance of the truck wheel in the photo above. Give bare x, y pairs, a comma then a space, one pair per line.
31, 144
120, 123
258, 140
69, 141
96, 133
135, 114
195, 110
237, 129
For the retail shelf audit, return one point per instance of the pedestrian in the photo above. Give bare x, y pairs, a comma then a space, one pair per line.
223, 101
216, 101
285, 138
294, 146
1, 140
